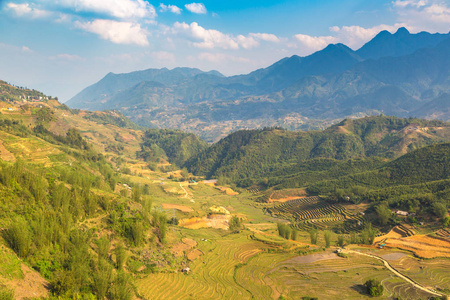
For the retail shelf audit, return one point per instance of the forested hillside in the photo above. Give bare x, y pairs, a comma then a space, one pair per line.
67, 208
177, 146
246, 157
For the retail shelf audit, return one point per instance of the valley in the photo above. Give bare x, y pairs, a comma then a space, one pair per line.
95, 206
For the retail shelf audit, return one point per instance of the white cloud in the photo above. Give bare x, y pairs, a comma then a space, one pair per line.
247, 42
206, 38
356, 36
221, 57
25, 10
211, 38
122, 9
67, 57
314, 43
116, 32
196, 8
172, 8
414, 3
26, 49
424, 15
268, 37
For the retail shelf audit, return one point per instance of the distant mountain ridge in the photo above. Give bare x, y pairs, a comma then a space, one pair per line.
393, 74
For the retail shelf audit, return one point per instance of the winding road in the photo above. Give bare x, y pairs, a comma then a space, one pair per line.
390, 268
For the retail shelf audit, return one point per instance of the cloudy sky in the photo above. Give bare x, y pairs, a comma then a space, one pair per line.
62, 46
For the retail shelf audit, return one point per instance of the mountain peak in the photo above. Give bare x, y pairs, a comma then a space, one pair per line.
402, 31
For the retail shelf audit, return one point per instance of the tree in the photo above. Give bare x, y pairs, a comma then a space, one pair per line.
235, 224
122, 288
103, 245
383, 214
121, 256
340, 241
446, 222
374, 287
368, 234
102, 278
137, 233
18, 237
439, 209
313, 234
294, 234
327, 237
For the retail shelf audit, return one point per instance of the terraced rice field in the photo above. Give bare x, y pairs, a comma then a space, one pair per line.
311, 212
422, 245
431, 273
443, 233
397, 232
268, 276
211, 277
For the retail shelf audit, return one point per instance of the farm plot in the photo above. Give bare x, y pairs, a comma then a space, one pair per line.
211, 276
444, 233
430, 273
326, 276
311, 212
422, 245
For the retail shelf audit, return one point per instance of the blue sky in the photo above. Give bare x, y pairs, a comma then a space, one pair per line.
62, 46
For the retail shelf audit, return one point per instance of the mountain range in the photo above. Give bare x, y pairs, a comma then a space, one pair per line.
399, 74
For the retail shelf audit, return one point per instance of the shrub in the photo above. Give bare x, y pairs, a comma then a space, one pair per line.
18, 237
121, 256
327, 237
374, 287
235, 224
313, 234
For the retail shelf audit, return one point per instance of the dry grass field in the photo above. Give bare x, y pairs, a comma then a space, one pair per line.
422, 245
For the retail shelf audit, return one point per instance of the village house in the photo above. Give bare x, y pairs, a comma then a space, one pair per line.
401, 213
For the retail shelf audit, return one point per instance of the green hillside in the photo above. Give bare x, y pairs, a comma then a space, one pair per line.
176, 145
246, 157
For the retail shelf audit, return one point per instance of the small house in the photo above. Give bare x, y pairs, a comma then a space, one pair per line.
401, 213
186, 270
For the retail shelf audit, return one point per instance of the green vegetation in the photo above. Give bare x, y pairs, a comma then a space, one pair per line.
177, 146
113, 118
274, 156
235, 224
374, 287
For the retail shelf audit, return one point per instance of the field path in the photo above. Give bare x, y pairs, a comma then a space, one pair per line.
390, 268
185, 192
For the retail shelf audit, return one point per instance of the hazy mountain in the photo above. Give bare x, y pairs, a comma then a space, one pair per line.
95, 96
398, 44
438, 108
394, 74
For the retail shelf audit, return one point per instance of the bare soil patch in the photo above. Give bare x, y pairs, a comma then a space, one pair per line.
33, 285
179, 207
180, 248
307, 259
393, 256
227, 190
194, 254
214, 221
285, 199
